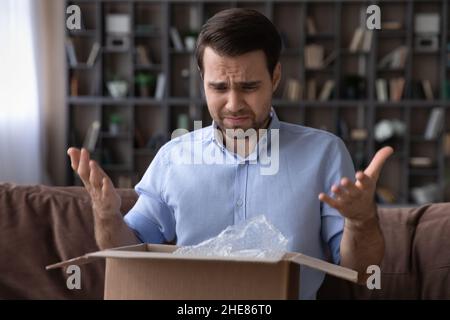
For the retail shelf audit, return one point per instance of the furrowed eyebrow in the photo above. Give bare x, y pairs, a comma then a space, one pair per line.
217, 84
250, 83
224, 84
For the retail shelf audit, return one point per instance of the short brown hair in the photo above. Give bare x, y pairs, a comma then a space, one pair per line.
236, 31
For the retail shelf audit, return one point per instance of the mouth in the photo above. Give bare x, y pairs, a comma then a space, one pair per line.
236, 121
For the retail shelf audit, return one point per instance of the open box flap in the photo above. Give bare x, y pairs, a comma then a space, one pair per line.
154, 251
87, 258
332, 269
146, 251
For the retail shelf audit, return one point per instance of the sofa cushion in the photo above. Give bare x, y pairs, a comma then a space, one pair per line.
42, 225
416, 261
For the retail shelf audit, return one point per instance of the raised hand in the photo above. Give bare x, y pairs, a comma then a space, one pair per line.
105, 200
355, 201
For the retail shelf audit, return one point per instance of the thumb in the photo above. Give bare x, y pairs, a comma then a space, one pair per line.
375, 166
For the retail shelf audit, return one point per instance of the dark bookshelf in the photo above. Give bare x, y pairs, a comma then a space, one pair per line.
352, 104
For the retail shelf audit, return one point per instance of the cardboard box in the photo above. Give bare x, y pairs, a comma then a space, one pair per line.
149, 271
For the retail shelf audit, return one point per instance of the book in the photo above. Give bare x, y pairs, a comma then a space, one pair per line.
176, 39
447, 144
160, 86
91, 138
366, 44
395, 58
327, 89
435, 123
427, 90
358, 134
330, 58
396, 88
311, 26
71, 54
314, 56
311, 89
381, 89
293, 90
399, 57
93, 54
420, 162
357, 39
142, 56
391, 25
74, 85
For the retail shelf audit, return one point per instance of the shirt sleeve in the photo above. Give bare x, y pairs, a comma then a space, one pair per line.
339, 165
150, 218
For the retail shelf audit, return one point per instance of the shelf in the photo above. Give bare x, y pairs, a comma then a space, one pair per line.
424, 53
385, 70
122, 135
82, 33
421, 138
347, 52
116, 167
323, 70
152, 67
144, 152
112, 101
409, 103
106, 50
291, 52
185, 101
387, 34
149, 115
423, 171
321, 36
147, 34
318, 104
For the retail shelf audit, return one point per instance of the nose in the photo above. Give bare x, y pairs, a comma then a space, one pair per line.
235, 102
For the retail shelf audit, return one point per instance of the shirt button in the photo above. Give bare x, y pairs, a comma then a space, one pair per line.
239, 202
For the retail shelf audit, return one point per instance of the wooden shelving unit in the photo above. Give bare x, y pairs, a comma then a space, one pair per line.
147, 122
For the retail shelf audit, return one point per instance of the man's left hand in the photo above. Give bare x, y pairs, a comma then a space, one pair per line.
355, 201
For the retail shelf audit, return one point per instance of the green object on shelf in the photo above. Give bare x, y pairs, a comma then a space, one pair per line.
446, 90
115, 118
145, 79
183, 121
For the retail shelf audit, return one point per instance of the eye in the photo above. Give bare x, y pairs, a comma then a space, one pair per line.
220, 88
249, 87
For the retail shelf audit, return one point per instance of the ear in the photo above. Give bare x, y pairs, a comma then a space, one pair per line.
276, 77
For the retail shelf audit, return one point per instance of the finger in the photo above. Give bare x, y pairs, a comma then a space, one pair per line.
330, 201
95, 177
339, 192
83, 167
363, 181
375, 166
350, 187
74, 155
107, 187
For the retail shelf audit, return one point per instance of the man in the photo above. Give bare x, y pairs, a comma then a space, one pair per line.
238, 57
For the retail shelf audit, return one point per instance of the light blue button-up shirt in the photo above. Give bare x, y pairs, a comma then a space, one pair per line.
194, 188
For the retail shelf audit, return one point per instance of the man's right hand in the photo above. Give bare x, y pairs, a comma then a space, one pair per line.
105, 199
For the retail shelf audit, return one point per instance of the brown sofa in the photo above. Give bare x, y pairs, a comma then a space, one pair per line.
41, 225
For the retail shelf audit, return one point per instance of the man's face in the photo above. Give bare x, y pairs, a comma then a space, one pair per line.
239, 89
